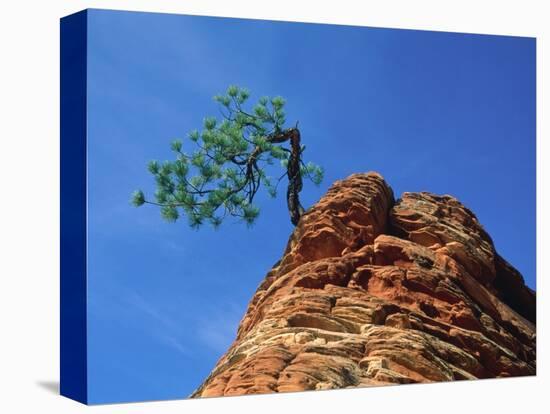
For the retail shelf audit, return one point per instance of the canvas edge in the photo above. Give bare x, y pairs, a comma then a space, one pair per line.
73, 207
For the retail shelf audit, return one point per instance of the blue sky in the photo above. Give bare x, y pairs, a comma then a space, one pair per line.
440, 112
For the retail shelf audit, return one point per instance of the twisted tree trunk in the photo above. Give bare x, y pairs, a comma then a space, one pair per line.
295, 209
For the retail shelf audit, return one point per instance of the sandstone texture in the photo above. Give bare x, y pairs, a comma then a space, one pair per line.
371, 291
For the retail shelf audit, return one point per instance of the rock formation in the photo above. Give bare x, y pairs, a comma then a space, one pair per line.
372, 292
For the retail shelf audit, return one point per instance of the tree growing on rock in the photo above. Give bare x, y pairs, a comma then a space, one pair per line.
229, 163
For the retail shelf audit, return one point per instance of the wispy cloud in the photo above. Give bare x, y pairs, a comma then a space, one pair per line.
218, 330
166, 330
136, 300
132, 310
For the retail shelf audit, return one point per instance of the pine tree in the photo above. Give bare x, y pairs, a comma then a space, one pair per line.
230, 163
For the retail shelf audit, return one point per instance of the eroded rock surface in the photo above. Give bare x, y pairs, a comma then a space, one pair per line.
372, 292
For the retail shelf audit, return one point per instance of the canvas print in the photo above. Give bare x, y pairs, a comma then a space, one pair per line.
253, 207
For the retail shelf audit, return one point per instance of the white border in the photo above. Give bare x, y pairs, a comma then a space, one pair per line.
29, 191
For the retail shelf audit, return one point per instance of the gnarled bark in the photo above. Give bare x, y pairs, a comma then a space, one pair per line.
295, 209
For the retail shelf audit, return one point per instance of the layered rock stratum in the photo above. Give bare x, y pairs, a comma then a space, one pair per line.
372, 291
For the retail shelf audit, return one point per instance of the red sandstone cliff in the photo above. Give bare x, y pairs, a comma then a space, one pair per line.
371, 291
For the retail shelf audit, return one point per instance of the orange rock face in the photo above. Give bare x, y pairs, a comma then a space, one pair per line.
373, 292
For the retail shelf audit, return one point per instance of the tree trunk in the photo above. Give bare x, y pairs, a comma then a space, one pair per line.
295, 209
294, 178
